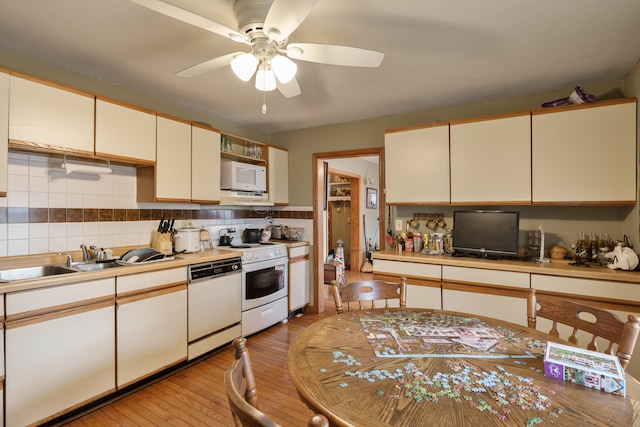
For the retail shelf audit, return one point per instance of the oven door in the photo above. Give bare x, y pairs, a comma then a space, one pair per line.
264, 282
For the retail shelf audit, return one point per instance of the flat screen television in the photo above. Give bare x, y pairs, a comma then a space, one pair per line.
487, 234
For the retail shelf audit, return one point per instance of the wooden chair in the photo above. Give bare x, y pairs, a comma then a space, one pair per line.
370, 290
243, 397
607, 325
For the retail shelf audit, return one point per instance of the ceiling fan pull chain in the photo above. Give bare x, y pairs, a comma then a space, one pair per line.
264, 102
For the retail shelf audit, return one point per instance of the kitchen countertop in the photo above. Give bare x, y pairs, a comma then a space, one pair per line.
181, 260
291, 243
561, 268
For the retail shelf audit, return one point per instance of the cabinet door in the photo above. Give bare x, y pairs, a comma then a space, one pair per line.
125, 132
492, 293
278, 176
49, 116
205, 165
585, 154
4, 132
152, 335
57, 364
491, 161
417, 166
298, 284
173, 160
59, 352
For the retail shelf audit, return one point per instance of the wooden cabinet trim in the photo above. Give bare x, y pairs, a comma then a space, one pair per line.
52, 84
408, 128
133, 296
411, 280
50, 313
299, 259
573, 107
487, 118
124, 104
204, 126
485, 289
598, 301
30, 146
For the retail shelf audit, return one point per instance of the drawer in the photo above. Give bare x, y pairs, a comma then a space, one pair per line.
414, 269
586, 287
489, 277
38, 299
136, 282
298, 251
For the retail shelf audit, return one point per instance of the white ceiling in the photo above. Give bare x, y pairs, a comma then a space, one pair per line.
437, 53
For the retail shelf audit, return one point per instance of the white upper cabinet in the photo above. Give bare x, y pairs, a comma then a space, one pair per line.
205, 165
4, 132
125, 132
417, 166
173, 160
44, 117
491, 160
278, 176
585, 154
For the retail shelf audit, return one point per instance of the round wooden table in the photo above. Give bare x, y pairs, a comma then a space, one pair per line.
361, 368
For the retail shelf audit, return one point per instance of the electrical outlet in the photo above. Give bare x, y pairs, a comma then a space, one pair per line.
398, 225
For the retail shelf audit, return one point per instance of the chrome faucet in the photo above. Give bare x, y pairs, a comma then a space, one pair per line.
96, 252
85, 253
69, 259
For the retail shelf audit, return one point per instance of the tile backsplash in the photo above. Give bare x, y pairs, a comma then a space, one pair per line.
47, 210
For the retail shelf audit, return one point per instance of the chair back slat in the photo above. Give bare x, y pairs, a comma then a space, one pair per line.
240, 386
607, 325
358, 293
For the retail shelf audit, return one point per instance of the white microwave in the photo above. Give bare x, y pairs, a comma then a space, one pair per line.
242, 176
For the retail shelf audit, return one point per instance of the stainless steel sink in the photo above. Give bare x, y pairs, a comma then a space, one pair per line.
36, 272
95, 266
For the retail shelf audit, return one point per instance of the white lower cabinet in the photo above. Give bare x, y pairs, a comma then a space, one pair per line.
298, 277
498, 294
423, 281
60, 352
151, 323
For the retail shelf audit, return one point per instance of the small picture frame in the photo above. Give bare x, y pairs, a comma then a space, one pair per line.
372, 198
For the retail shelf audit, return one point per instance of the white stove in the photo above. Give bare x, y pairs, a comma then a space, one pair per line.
265, 279
260, 251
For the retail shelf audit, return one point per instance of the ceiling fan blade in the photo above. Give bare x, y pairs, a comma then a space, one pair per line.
192, 18
335, 54
286, 15
289, 89
206, 66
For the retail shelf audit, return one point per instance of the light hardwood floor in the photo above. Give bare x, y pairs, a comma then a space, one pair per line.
195, 396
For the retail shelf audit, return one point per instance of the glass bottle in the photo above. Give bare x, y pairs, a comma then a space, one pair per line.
594, 245
448, 241
583, 250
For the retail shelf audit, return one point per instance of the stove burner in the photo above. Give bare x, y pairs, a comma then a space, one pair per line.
267, 243
240, 246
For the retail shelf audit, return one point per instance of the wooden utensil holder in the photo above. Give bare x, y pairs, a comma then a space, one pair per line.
161, 242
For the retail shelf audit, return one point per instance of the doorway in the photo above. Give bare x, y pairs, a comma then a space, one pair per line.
343, 211
321, 206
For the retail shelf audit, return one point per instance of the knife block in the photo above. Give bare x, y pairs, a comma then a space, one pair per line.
161, 242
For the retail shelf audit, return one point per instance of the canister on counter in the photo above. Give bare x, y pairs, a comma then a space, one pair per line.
408, 244
417, 242
448, 241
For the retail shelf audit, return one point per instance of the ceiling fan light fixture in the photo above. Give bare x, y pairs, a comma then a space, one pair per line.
284, 68
244, 66
265, 80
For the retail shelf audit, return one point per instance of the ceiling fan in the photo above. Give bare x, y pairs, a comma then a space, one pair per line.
265, 26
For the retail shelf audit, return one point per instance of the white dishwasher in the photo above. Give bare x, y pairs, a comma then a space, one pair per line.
215, 308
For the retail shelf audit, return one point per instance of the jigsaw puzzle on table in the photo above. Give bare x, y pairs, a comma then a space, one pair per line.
423, 334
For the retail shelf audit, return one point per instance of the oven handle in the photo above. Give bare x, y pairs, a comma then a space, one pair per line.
260, 265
